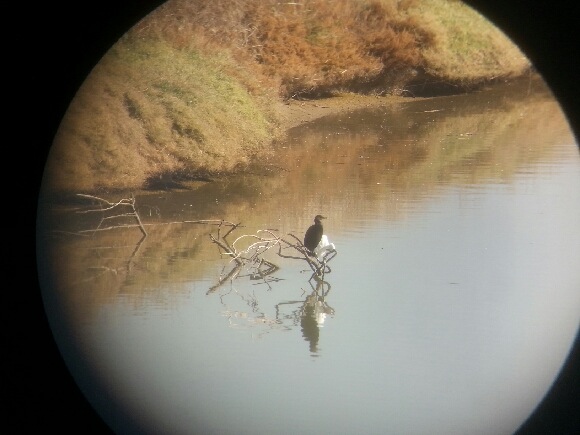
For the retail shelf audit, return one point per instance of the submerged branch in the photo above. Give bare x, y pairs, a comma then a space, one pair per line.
261, 242
230, 276
246, 250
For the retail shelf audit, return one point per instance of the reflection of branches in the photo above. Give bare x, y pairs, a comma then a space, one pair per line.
230, 276
117, 270
252, 317
117, 215
134, 253
250, 257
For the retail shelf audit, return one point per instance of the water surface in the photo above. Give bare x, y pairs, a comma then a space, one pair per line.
450, 307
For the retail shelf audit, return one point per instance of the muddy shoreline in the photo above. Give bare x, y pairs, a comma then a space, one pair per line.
296, 112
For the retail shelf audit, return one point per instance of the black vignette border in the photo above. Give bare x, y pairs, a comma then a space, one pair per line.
69, 41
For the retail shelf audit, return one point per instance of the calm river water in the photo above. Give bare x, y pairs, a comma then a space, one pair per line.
450, 308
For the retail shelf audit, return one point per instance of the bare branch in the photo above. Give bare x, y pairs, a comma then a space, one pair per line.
259, 243
128, 202
227, 249
248, 257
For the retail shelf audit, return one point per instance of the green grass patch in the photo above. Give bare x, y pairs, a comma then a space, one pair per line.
467, 48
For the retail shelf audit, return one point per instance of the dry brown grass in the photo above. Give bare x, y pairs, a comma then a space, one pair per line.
316, 47
193, 89
305, 48
147, 111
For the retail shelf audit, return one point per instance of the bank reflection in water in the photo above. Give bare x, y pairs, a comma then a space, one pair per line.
456, 223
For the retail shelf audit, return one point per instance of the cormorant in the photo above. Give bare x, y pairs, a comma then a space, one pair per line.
313, 234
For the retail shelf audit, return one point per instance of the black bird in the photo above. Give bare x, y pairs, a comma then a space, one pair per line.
313, 234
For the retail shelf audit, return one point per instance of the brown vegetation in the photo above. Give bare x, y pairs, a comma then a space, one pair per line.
196, 89
299, 48
313, 47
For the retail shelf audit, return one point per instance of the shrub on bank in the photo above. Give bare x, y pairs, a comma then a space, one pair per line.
314, 47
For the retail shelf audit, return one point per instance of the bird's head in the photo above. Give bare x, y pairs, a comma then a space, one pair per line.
318, 218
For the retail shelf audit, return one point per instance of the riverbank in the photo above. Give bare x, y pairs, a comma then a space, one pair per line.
202, 89
292, 113
295, 112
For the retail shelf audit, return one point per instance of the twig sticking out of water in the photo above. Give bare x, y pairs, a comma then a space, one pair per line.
320, 268
125, 202
259, 243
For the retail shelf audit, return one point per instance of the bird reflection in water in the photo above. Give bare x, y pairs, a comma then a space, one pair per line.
314, 312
